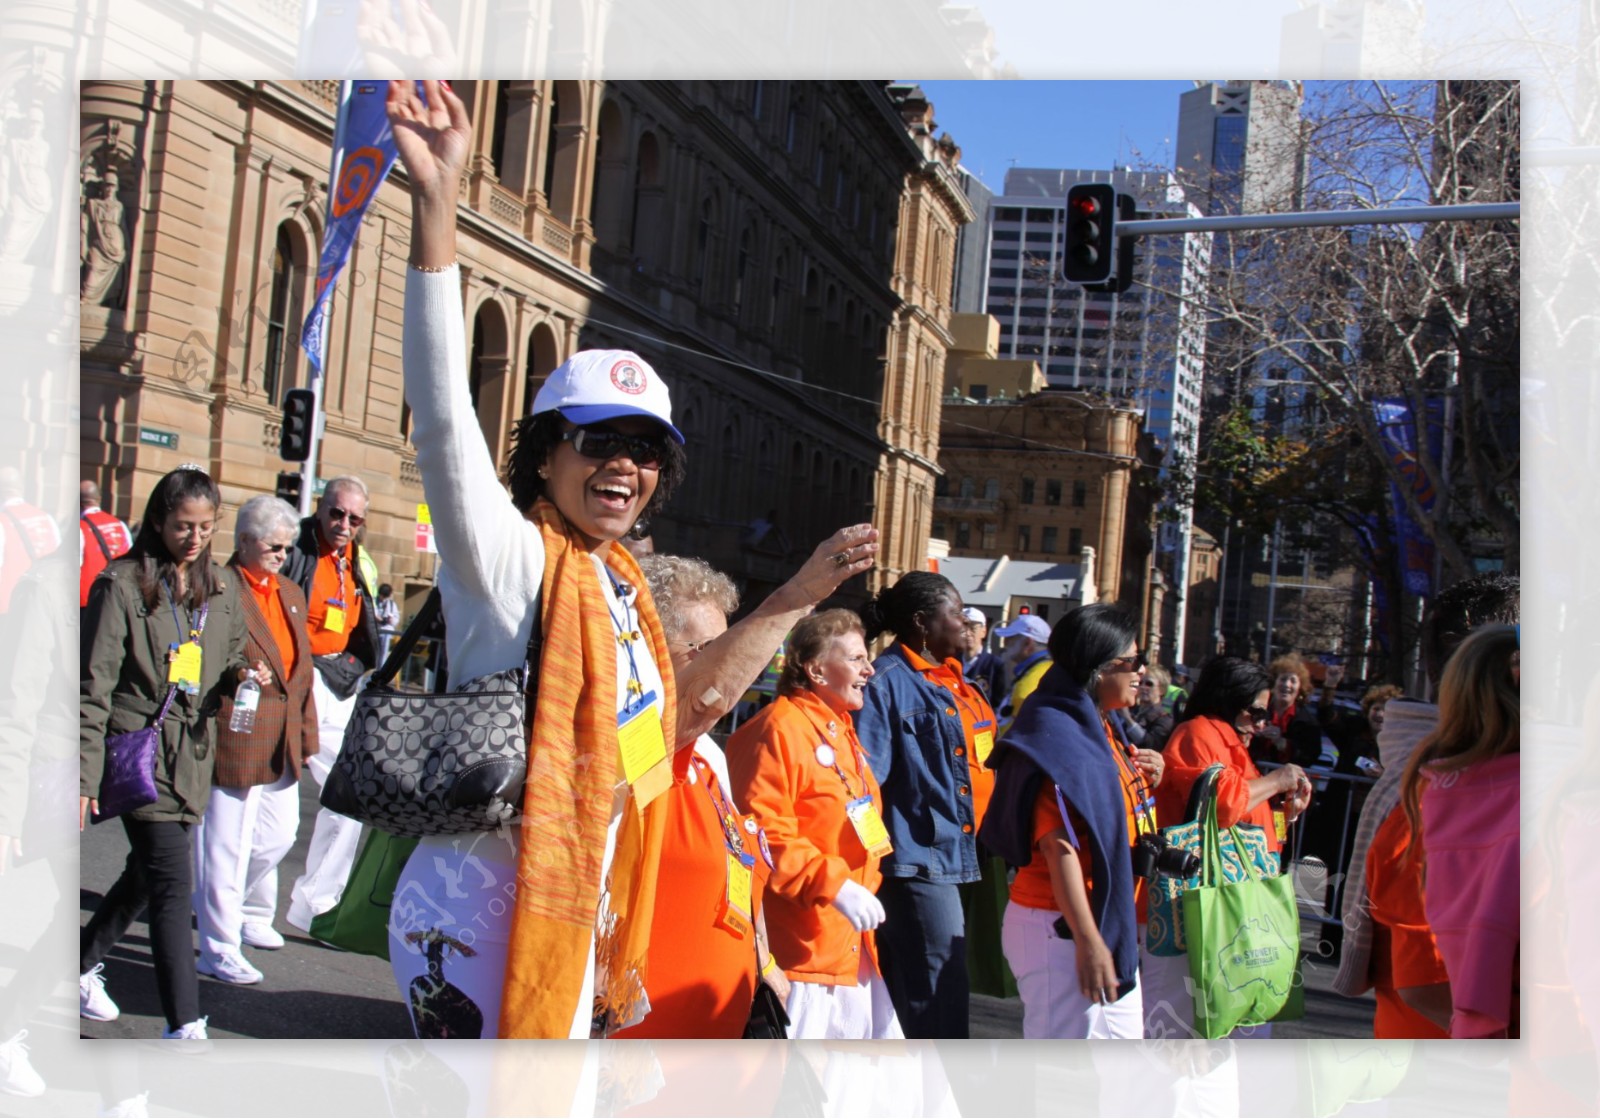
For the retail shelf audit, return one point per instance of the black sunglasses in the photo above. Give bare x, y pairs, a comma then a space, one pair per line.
337, 514
1127, 664
602, 444
1259, 714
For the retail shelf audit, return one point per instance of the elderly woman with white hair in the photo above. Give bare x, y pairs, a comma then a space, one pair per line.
254, 810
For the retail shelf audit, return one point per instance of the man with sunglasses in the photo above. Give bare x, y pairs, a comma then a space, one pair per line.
337, 577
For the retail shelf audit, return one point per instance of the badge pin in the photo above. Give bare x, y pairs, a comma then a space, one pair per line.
825, 755
750, 826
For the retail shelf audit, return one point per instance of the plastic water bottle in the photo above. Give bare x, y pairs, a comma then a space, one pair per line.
245, 701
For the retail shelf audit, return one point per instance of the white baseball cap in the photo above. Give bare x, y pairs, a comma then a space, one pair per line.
592, 386
974, 615
1026, 625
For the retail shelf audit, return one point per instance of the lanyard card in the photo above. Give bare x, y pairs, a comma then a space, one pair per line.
734, 912
643, 745
183, 667
868, 822
1280, 824
334, 622
983, 740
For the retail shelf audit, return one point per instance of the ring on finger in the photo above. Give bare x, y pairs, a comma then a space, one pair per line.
841, 558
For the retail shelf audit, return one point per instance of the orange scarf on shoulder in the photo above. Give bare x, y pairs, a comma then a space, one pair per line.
573, 768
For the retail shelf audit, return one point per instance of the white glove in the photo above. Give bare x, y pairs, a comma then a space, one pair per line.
860, 906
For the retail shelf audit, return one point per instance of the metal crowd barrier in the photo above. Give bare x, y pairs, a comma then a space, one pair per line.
1327, 909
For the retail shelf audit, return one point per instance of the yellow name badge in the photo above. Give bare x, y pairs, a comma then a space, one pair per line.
867, 821
983, 744
736, 906
334, 622
183, 666
643, 746
1280, 824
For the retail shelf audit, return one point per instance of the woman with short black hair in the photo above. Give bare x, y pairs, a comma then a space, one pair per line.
927, 732
1072, 798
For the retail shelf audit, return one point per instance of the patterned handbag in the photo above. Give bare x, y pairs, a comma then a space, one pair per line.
436, 763
128, 781
1164, 933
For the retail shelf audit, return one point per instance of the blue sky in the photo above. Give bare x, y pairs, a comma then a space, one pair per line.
1056, 124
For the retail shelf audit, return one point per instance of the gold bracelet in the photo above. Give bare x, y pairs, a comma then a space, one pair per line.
432, 268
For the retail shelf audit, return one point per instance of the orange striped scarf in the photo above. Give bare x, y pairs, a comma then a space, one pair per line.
573, 768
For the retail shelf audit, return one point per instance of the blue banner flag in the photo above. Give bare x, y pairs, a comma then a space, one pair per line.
1397, 428
363, 152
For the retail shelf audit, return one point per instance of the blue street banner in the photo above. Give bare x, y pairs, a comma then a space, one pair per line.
1397, 427
363, 152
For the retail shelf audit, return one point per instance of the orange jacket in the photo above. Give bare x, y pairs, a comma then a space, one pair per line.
778, 777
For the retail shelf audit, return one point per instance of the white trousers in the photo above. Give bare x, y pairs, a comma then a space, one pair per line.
458, 893
1046, 968
829, 1012
1169, 999
335, 838
239, 843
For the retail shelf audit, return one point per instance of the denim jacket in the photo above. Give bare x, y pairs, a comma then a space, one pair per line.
912, 734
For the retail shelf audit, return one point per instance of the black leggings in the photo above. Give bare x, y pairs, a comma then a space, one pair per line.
157, 875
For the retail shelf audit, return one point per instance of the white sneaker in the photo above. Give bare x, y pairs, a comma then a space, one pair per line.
17, 1075
134, 1107
230, 967
93, 1002
193, 1031
258, 934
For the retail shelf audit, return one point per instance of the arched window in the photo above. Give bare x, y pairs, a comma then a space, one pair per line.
284, 316
778, 273
502, 117
968, 487
646, 199
991, 489
741, 267
791, 127
550, 143
704, 238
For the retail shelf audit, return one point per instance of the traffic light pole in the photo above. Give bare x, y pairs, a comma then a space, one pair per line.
1305, 219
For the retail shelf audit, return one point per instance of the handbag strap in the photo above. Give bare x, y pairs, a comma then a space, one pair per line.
1211, 839
401, 649
166, 705
423, 622
1202, 789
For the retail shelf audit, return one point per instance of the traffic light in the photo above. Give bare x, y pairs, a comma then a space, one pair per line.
299, 413
1090, 238
290, 483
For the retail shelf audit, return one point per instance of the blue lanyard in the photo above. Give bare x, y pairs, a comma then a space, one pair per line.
184, 628
627, 634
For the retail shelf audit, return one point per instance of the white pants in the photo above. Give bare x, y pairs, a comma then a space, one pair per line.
239, 843
1046, 968
1169, 999
335, 838
463, 888
828, 1012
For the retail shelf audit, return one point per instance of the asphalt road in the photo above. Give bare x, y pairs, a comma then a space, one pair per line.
313, 991
310, 990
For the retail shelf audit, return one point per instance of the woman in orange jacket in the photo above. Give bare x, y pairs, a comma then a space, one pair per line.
798, 767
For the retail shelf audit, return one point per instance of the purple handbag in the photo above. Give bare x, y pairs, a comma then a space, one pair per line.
129, 779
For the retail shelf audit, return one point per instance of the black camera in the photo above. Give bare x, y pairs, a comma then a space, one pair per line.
1154, 857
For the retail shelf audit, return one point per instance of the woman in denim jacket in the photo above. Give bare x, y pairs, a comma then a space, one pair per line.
926, 731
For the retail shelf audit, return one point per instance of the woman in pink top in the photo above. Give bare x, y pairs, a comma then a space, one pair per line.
1462, 793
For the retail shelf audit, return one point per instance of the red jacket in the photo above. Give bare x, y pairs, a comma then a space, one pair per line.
92, 558
1200, 742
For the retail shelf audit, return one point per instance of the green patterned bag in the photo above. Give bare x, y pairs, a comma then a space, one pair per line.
1164, 934
1244, 942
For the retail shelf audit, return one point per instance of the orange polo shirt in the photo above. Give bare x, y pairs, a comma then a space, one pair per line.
1031, 887
795, 766
271, 606
335, 579
702, 974
977, 717
1403, 950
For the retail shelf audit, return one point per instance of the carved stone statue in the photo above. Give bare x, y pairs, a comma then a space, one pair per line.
24, 188
103, 240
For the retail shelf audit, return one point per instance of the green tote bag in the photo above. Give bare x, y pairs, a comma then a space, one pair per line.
359, 921
1244, 942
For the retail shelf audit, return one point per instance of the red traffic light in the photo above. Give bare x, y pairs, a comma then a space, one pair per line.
1086, 206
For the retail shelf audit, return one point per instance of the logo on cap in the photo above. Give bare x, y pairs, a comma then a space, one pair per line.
628, 377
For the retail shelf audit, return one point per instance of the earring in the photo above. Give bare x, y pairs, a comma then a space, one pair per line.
544, 475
